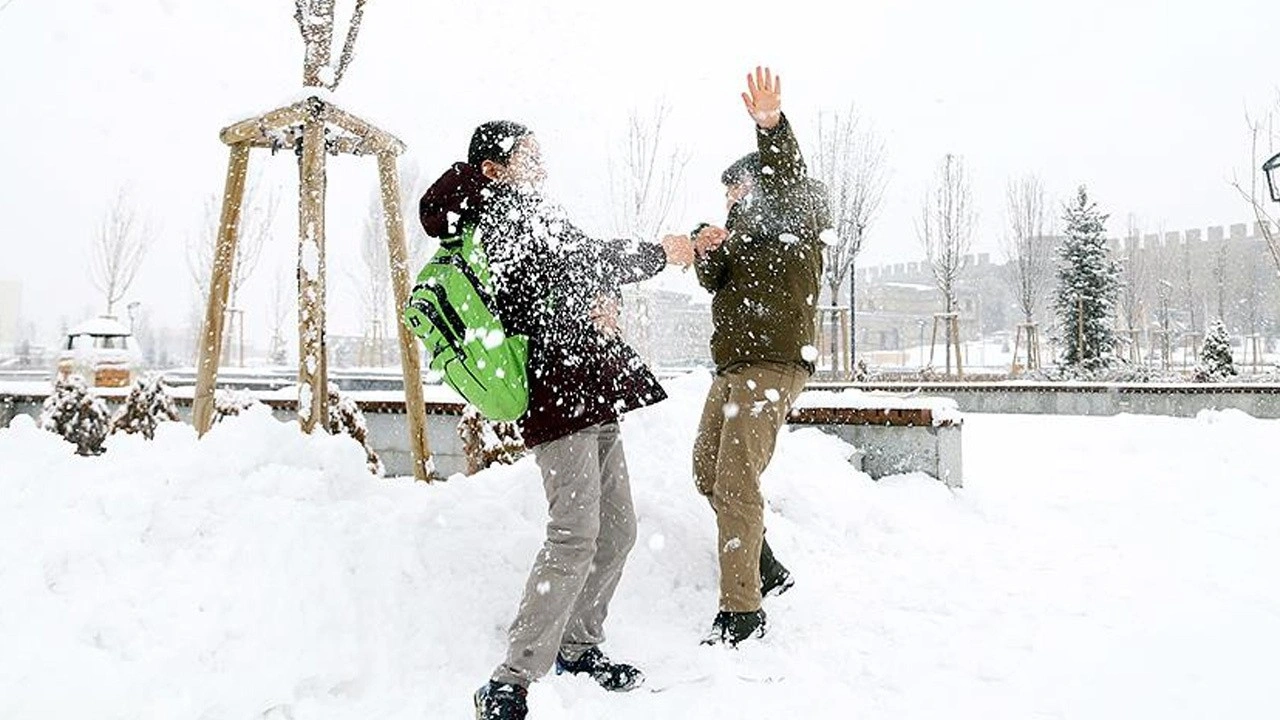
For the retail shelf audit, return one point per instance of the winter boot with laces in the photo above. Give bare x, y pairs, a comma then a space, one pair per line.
612, 676
501, 701
731, 628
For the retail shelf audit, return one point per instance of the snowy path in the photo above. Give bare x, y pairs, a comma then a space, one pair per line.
1092, 568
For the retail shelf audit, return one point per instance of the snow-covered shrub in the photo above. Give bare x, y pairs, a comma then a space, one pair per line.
488, 443
861, 373
231, 402
346, 418
79, 416
148, 405
1215, 357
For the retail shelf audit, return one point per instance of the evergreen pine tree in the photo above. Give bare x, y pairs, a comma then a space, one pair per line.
1088, 286
1215, 356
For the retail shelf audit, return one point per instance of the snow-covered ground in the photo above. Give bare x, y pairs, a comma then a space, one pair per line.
1092, 568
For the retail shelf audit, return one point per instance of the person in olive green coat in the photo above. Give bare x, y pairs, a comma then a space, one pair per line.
763, 270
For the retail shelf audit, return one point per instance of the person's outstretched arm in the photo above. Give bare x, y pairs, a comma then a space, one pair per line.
782, 166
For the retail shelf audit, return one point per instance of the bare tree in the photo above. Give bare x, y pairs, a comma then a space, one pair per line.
411, 188
283, 294
1136, 276
118, 252
647, 176
1262, 145
946, 231
1029, 257
315, 20
1221, 260
850, 161
1135, 284
257, 216
1164, 316
646, 179
5, 4
1190, 293
374, 284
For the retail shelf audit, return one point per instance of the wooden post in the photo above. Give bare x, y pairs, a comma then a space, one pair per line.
1013, 364
415, 403
219, 286
313, 389
933, 340
846, 344
1254, 344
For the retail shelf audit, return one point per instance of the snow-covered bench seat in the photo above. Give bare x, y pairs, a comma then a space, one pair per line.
893, 434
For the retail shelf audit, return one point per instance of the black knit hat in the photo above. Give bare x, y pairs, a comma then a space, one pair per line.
747, 166
495, 140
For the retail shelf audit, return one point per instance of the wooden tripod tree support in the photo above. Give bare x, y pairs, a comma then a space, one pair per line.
839, 342
1253, 349
1190, 341
1032, 333
1160, 339
1133, 339
312, 128
951, 323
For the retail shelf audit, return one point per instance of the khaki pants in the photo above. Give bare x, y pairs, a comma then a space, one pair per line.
590, 532
745, 409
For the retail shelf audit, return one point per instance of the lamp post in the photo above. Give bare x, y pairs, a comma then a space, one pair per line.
920, 323
1272, 170
133, 313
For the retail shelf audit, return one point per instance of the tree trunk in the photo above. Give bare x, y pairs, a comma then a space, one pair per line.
313, 386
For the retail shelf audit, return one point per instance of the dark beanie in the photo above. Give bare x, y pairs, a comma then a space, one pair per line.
747, 166
495, 140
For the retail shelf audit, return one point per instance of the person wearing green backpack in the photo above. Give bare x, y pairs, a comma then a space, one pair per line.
558, 288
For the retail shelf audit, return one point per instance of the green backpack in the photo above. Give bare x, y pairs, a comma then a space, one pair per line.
449, 309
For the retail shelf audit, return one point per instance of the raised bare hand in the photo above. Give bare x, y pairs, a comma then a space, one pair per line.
709, 238
763, 97
679, 250
604, 314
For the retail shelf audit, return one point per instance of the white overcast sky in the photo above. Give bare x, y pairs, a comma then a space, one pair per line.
1143, 101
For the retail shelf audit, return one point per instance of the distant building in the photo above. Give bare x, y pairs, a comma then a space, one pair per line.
10, 313
1175, 284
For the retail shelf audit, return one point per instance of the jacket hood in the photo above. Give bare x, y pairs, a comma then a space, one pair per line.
454, 201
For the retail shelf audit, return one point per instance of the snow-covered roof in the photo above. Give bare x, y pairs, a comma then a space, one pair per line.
102, 325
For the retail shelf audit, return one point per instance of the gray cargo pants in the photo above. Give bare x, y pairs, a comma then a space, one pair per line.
591, 530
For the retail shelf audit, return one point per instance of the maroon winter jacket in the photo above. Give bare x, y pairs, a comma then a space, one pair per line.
547, 275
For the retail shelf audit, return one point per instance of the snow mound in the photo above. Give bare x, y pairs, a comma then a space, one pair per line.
261, 573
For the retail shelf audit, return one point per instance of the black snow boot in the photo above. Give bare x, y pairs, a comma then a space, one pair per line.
501, 701
775, 579
612, 676
731, 628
